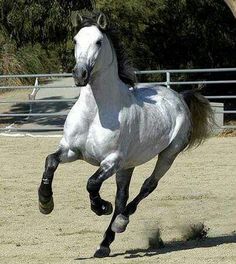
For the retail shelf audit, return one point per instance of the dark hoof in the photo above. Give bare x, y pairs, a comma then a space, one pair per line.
46, 207
105, 208
120, 223
102, 252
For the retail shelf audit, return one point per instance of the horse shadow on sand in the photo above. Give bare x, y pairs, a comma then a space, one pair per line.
174, 246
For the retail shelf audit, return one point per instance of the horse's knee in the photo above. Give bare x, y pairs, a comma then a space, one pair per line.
94, 182
52, 162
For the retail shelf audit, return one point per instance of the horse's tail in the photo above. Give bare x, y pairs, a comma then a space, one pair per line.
201, 116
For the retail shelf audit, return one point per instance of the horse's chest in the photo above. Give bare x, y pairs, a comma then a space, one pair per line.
98, 145
93, 141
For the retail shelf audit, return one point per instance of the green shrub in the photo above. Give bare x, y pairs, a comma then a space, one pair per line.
28, 59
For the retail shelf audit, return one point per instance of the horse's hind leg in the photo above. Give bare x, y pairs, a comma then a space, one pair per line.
165, 160
123, 178
63, 155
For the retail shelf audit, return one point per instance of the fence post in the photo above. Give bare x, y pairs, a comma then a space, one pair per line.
33, 95
168, 79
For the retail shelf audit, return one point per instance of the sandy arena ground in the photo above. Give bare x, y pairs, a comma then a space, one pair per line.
200, 187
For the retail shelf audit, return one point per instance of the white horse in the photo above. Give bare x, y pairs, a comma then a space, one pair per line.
117, 128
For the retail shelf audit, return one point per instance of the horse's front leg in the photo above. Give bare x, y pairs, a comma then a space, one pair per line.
63, 155
123, 178
107, 168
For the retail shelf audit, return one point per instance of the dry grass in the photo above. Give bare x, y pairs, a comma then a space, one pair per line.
229, 132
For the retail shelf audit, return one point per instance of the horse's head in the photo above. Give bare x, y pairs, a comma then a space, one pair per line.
92, 49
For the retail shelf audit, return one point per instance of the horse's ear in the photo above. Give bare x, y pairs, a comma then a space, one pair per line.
80, 18
102, 21
76, 18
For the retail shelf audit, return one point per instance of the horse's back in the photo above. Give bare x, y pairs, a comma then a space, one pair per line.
153, 94
164, 102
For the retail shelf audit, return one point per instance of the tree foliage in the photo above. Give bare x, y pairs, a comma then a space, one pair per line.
157, 33
40, 21
34, 34
175, 33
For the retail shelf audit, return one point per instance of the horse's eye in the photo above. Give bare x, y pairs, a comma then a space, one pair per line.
74, 41
99, 43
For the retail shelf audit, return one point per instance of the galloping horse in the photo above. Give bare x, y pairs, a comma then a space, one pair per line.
117, 128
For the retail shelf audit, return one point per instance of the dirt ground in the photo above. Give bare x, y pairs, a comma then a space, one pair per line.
200, 187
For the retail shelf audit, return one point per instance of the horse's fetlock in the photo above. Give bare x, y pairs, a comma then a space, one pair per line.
45, 194
120, 223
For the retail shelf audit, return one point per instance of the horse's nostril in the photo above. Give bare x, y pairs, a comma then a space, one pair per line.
84, 74
73, 71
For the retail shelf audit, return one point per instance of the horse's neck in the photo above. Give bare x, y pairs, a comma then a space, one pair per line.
108, 91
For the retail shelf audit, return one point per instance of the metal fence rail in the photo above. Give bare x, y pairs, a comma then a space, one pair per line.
168, 82
66, 113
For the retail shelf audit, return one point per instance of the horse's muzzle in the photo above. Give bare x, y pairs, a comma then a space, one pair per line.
81, 75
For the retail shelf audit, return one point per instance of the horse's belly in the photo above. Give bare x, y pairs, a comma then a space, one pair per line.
142, 153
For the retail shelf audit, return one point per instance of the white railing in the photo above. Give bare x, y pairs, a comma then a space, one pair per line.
169, 82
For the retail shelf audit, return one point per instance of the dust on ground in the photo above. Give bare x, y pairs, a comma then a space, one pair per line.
200, 187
